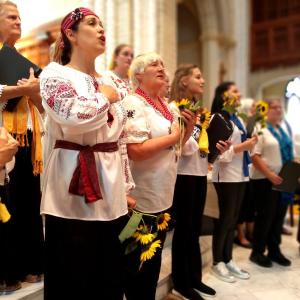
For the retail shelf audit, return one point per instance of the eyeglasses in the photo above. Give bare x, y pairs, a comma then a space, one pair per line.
275, 107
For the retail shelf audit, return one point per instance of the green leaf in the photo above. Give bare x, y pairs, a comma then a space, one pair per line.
131, 226
131, 247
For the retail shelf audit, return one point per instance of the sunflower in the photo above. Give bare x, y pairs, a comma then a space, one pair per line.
149, 252
204, 118
183, 103
162, 221
143, 235
262, 107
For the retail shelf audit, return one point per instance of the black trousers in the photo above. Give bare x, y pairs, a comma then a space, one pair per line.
83, 259
24, 232
141, 281
188, 206
9, 246
270, 214
247, 211
230, 197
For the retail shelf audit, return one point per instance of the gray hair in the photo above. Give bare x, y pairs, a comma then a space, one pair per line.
139, 65
4, 3
246, 106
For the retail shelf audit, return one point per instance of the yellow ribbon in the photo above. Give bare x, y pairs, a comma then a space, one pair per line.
203, 141
4, 214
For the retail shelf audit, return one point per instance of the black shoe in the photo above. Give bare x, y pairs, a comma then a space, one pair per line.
244, 245
261, 260
280, 259
188, 294
204, 290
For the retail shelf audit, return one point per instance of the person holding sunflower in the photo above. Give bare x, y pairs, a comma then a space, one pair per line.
230, 174
190, 190
274, 148
152, 133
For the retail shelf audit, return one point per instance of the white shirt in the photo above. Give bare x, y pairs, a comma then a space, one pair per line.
229, 166
269, 150
154, 177
192, 161
120, 85
77, 113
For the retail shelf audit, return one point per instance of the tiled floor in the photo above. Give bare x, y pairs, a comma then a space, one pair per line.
276, 283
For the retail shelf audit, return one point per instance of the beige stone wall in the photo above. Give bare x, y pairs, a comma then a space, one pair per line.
151, 25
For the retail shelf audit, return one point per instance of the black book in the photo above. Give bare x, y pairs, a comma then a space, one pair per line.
290, 173
219, 130
14, 66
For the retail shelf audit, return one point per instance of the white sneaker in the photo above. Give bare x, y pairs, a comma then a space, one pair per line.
237, 272
221, 272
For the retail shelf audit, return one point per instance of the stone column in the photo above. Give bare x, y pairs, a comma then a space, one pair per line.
211, 53
239, 56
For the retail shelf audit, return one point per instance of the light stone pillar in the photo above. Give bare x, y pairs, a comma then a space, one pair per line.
211, 53
167, 34
240, 54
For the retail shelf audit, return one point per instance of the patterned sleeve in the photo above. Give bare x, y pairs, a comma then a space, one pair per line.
75, 113
129, 183
136, 127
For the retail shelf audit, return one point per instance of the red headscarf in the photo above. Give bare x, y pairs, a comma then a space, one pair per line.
74, 16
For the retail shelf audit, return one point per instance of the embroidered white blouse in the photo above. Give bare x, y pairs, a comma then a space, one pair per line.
121, 86
79, 114
154, 177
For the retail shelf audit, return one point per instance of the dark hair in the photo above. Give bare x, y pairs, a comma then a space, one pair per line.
63, 47
218, 100
178, 91
116, 52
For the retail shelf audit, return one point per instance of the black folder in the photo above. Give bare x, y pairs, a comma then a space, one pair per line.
219, 129
290, 173
14, 66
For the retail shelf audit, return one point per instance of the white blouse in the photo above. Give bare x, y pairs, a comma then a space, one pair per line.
120, 85
154, 177
79, 114
229, 166
269, 150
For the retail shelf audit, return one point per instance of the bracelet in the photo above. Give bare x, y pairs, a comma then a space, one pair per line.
2, 103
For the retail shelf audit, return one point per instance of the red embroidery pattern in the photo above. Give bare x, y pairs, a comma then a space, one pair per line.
163, 109
60, 96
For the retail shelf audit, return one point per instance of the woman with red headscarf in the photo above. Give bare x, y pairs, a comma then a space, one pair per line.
85, 187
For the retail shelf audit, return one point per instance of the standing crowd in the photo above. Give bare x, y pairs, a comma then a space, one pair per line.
107, 144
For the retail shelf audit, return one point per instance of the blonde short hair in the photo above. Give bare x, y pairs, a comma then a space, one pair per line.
4, 3
139, 65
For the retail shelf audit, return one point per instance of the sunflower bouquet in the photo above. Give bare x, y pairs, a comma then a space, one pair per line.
203, 117
141, 233
261, 111
229, 105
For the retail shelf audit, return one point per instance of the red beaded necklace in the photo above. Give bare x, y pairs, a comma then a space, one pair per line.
163, 109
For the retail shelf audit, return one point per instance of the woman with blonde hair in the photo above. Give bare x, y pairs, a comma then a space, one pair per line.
190, 194
117, 75
152, 133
